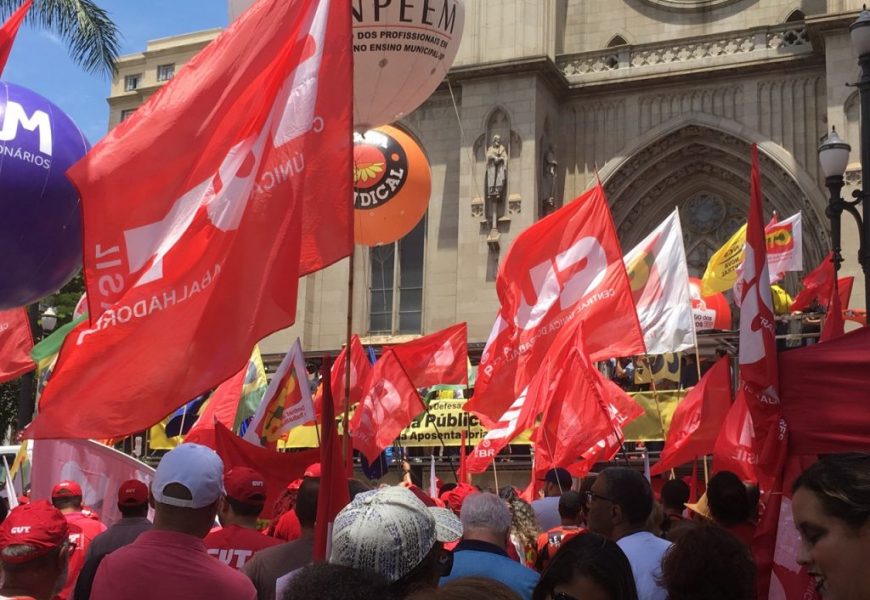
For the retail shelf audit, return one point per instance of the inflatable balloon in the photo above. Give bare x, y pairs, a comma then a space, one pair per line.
711, 312
40, 221
401, 53
391, 185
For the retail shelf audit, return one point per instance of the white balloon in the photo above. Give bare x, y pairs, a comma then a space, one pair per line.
402, 50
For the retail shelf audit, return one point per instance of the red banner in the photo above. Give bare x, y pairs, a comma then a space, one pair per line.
16, 342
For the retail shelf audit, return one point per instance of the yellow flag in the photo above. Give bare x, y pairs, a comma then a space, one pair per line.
721, 271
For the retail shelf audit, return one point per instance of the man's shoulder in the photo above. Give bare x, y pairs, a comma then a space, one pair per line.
643, 542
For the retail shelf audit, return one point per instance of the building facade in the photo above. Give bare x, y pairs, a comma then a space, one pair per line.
660, 99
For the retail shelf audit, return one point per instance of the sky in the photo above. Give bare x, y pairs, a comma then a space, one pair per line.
40, 61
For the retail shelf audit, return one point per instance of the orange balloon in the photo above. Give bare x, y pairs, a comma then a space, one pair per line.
391, 185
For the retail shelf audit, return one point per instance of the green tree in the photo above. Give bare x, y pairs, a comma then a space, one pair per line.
86, 28
64, 300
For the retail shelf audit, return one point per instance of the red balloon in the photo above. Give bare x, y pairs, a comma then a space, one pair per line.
710, 312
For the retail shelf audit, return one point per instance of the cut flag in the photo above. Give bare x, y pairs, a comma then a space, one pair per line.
566, 267
243, 164
698, 418
360, 368
9, 31
390, 404
437, 358
287, 402
277, 468
333, 494
16, 343
659, 281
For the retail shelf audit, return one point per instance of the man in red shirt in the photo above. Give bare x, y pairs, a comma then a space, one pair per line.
66, 496
239, 539
171, 560
571, 514
34, 551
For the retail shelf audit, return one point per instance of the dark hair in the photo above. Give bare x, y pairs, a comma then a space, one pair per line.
424, 576
728, 499
67, 502
841, 482
675, 494
139, 510
470, 588
306, 501
446, 488
593, 556
631, 491
337, 582
708, 563
570, 504
355, 486
244, 509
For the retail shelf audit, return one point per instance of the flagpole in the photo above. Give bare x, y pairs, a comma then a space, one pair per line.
706, 471
495, 474
441, 439
345, 420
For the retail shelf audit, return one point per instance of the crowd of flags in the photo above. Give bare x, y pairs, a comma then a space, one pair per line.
237, 197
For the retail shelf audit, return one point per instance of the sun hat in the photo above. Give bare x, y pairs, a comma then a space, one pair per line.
389, 531
195, 467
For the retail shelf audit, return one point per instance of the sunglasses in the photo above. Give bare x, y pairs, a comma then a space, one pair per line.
563, 596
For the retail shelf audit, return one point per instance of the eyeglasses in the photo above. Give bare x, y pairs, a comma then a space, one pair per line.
563, 596
590, 495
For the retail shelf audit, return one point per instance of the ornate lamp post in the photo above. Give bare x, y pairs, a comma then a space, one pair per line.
834, 157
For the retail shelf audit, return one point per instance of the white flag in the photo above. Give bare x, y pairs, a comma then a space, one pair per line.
286, 403
784, 247
660, 286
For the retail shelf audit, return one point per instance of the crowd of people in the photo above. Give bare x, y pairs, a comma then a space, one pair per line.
606, 537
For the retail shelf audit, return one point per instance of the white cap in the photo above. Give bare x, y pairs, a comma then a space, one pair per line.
194, 466
389, 531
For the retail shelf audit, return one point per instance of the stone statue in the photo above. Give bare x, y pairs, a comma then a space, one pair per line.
496, 169
548, 179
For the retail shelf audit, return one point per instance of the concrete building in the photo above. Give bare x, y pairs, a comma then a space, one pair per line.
662, 97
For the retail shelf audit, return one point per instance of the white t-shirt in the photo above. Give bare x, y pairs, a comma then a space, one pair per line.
645, 552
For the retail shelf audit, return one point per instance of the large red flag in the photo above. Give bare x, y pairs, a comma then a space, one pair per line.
390, 404
16, 342
816, 286
277, 468
735, 448
696, 422
360, 367
333, 494
566, 266
9, 31
440, 357
190, 267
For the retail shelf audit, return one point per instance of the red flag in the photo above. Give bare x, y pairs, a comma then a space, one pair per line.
696, 422
277, 468
567, 266
817, 286
735, 448
390, 404
333, 494
360, 368
190, 267
9, 31
844, 285
440, 357
835, 325
221, 408
16, 342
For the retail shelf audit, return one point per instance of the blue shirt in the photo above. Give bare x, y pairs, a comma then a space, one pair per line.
473, 558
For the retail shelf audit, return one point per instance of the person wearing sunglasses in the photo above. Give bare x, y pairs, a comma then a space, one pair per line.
587, 567
620, 503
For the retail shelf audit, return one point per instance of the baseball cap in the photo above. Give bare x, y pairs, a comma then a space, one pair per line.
389, 531
37, 524
194, 466
559, 476
132, 493
66, 489
245, 485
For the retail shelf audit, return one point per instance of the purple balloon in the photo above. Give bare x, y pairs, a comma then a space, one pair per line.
40, 220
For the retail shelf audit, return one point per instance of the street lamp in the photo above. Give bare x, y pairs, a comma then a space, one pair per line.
834, 157
49, 319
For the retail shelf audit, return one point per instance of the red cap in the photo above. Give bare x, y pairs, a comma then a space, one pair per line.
36, 524
313, 470
65, 489
245, 485
132, 493
294, 485
455, 497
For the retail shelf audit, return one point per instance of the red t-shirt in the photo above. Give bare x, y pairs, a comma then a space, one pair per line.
234, 545
288, 527
84, 527
550, 541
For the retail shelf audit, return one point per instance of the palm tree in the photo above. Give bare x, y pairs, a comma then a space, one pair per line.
91, 35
